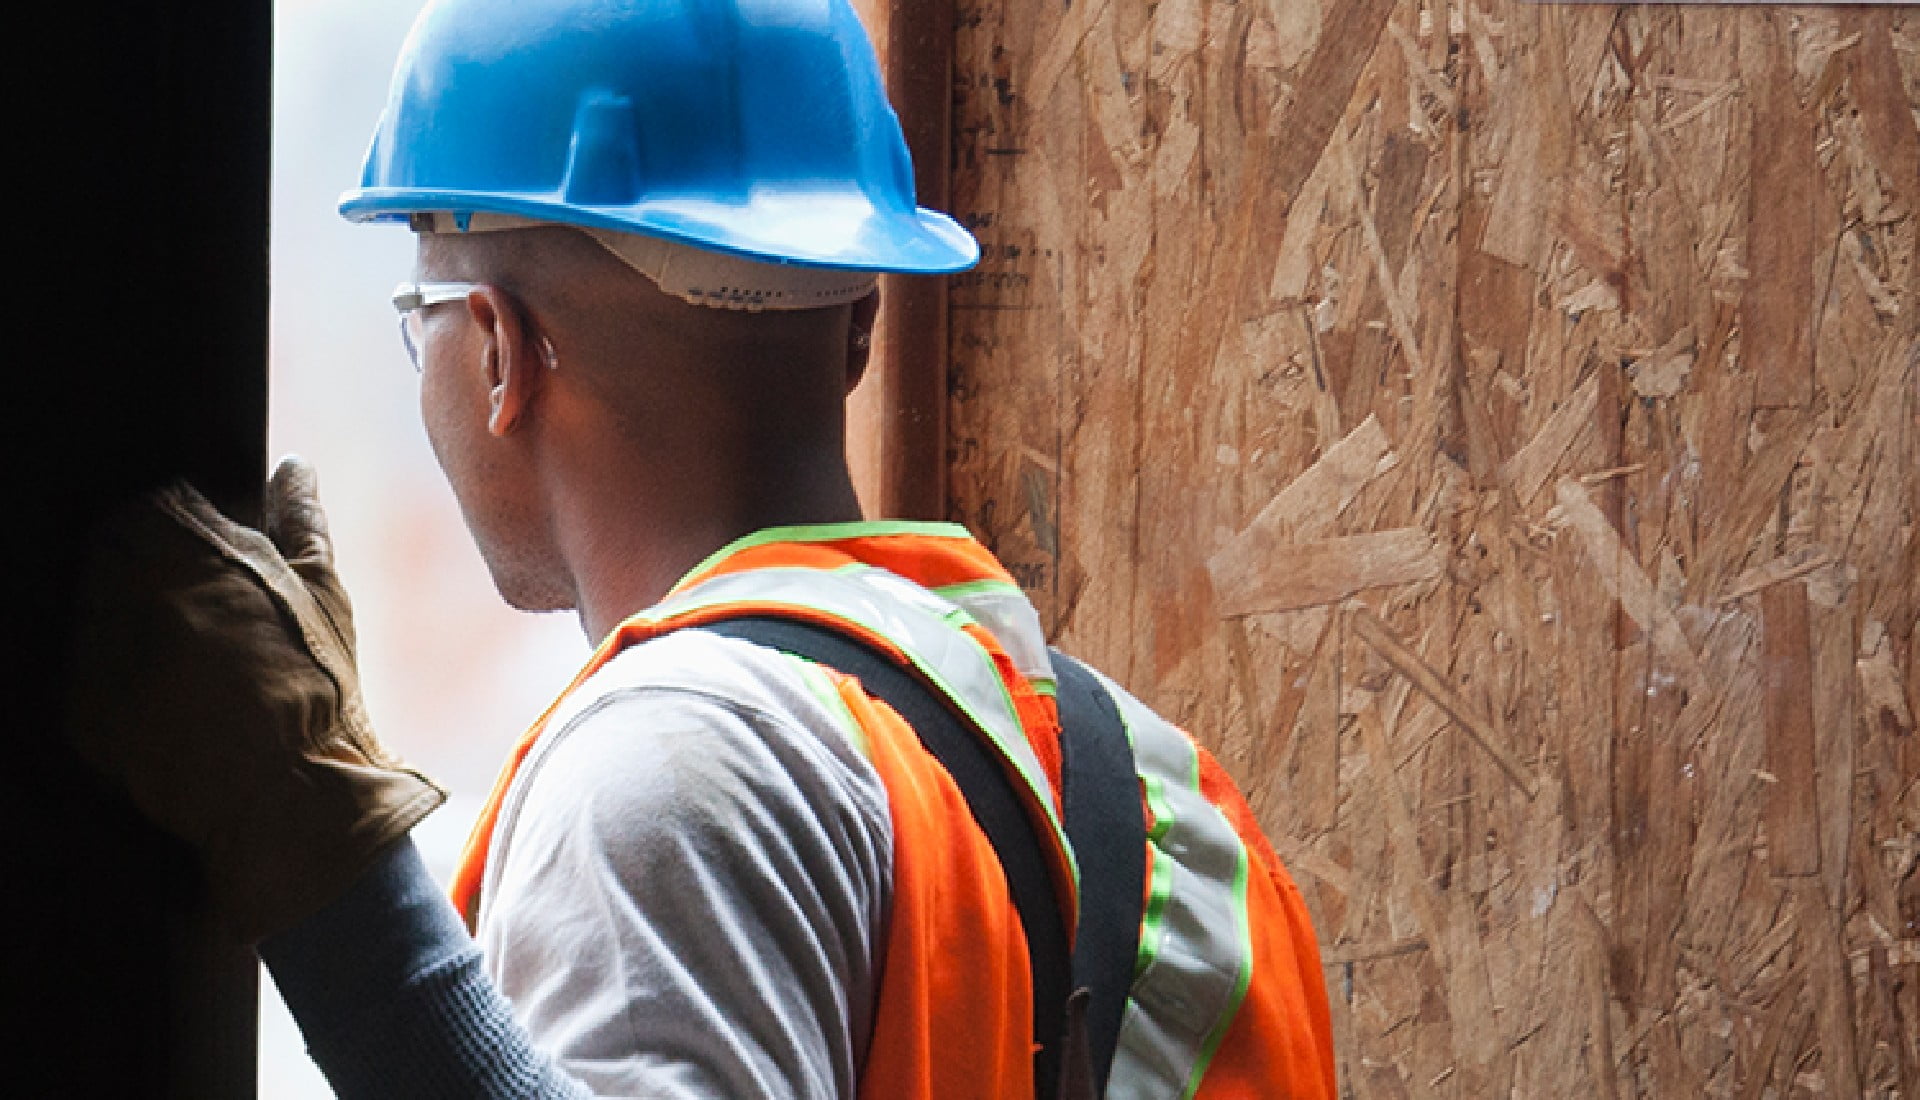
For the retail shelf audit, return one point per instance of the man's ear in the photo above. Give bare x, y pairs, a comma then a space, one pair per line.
860, 337
513, 365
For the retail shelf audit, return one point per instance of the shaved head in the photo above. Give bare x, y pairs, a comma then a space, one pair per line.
631, 341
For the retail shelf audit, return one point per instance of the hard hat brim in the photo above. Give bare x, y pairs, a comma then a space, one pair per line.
830, 229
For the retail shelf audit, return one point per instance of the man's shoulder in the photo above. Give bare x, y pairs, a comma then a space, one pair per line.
694, 669
695, 699
688, 733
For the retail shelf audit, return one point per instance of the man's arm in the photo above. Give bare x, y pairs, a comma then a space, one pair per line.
692, 882
214, 680
687, 907
389, 991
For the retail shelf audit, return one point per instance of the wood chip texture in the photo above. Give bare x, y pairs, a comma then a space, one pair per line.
1494, 429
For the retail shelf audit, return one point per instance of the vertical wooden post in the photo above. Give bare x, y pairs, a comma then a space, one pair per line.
897, 417
139, 229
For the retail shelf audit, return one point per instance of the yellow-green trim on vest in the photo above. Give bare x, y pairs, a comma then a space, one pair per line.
823, 689
828, 532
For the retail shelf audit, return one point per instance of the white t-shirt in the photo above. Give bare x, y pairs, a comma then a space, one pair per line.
689, 879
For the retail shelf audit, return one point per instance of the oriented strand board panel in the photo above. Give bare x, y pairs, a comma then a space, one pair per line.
1494, 429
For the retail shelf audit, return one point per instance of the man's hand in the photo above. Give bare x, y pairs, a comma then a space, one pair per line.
213, 677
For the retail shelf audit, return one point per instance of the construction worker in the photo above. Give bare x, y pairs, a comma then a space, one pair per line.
725, 863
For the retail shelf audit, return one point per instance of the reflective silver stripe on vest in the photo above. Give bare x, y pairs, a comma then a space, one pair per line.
1196, 950
1009, 616
924, 626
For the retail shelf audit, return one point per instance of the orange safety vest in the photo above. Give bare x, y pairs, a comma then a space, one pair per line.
1227, 1000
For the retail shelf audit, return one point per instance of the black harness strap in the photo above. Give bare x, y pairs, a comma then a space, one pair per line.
1103, 821
1108, 831
982, 779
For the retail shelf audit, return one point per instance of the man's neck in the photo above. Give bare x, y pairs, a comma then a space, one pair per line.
627, 556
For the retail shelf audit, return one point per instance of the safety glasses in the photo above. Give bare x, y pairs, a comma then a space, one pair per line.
411, 299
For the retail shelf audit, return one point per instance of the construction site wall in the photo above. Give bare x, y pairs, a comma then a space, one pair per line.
1494, 430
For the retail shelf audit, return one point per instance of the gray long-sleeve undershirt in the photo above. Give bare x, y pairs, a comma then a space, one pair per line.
688, 904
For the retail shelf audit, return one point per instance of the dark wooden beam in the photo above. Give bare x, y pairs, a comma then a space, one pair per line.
138, 354
898, 416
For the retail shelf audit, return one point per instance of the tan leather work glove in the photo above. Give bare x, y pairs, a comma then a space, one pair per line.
213, 677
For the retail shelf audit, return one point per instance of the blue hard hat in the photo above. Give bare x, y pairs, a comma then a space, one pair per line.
753, 127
